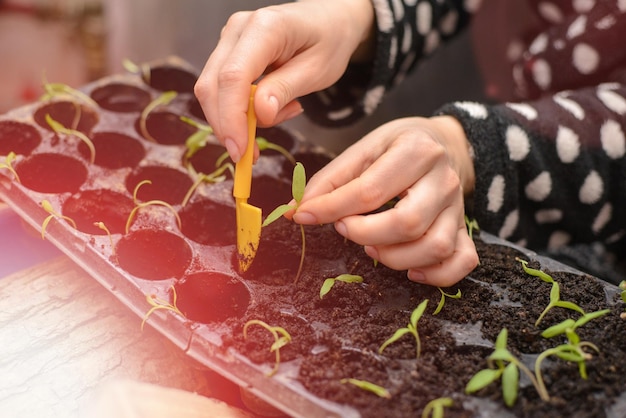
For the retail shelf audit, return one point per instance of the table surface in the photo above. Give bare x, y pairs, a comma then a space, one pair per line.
64, 337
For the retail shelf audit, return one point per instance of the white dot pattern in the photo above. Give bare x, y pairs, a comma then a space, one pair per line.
546, 161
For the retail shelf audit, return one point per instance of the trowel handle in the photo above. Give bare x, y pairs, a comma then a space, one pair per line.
243, 169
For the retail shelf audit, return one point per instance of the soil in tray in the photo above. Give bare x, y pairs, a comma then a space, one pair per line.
339, 336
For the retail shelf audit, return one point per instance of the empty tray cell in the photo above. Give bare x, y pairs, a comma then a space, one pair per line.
51, 173
114, 150
170, 78
20, 138
204, 159
269, 192
209, 297
154, 254
71, 115
166, 128
167, 184
100, 205
121, 97
209, 223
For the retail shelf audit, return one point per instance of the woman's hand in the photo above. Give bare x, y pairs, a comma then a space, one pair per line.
424, 162
298, 47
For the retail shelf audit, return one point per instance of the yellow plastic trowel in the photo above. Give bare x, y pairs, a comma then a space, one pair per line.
248, 216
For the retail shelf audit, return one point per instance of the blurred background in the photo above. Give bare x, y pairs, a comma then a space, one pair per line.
77, 41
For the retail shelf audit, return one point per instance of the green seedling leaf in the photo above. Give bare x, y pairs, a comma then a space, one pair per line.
158, 303
434, 408
505, 366
411, 328
164, 99
330, 282
534, 272
140, 205
299, 182
558, 329
297, 190
264, 144
47, 206
472, 225
442, 300
58, 128
510, 381
368, 386
281, 338
277, 213
8, 164
52, 90
482, 379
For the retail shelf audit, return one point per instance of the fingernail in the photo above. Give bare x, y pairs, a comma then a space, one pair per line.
232, 149
340, 227
305, 218
273, 101
372, 252
416, 276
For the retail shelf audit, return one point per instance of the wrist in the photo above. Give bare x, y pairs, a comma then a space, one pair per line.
453, 136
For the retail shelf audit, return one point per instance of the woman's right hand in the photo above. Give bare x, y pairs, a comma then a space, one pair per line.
298, 48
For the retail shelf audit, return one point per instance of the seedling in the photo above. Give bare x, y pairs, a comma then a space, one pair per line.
368, 386
434, 408
297, 191
143, 69
505, 366
472, 225
215, 177
8, 164
47, 206
140, 205
281, 338
555, 292
442, 300
162, 100
574, 349
198, 139
158, 303
59, 90
411, 328
330, 282
103, 227
58, 128
264, 144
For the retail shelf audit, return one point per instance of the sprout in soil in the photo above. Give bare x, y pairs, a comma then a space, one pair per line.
103, 227
368, 386
139, 205
442, 300
297, 191
60, 90
162, 100
264, 144
555, 292
158, 303
58, 128
198, 139
47, 206
8, 164
131, 67
330, 282
505, 366
472, 225
574, 349
281, 339
411, 328
434, 408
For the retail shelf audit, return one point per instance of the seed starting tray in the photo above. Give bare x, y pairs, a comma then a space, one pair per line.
181, 243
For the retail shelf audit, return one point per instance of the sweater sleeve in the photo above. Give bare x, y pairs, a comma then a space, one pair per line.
550, 172
406, 32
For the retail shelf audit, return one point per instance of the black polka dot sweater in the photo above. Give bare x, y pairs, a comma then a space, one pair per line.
551, 162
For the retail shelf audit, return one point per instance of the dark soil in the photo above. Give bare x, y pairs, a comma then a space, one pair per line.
339, 336
333, 338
